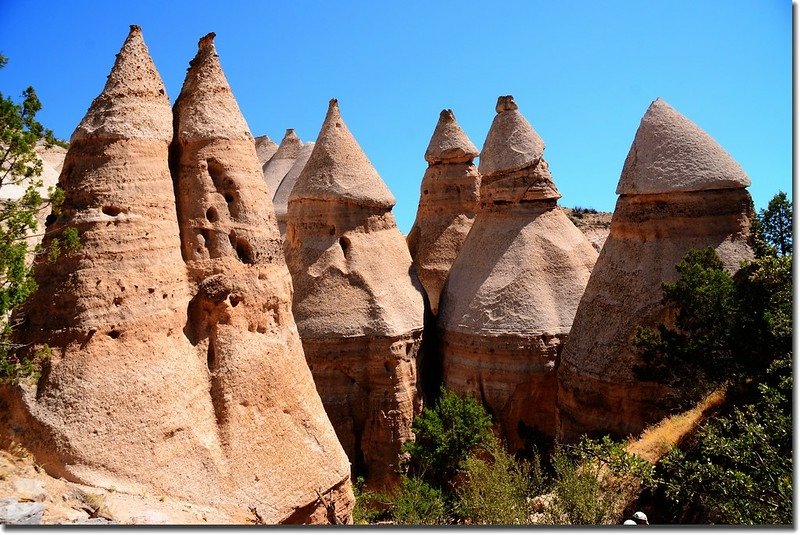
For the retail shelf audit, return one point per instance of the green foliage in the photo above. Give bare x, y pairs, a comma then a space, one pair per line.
20, 166
738, 469
724, 326
496, 487
445, 435
413, 502
776, 222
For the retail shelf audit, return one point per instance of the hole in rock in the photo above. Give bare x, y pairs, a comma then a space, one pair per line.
344, 243
425, 192
117, 301
50, 219
235, 300
114, 334
244, 251
212, 215
113, 211
210, 357
228, 198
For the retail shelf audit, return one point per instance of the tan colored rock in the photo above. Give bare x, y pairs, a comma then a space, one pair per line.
450, 197
650, 233
279, 164
358, 306
265, 148
512, 292
281, 198
240, 315
124, 400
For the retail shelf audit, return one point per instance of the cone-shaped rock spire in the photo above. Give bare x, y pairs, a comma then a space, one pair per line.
665, 209
670, 153
240, 314
449, 199
283, 159
265, 148
339, 169
449, 143
281, 199
124, 401
512, 292
358, 306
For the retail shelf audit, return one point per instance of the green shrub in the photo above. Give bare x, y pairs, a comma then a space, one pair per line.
417, 503
445, 435
578, 496
496, 487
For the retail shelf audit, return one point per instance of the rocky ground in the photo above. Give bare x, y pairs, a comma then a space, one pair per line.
595, 226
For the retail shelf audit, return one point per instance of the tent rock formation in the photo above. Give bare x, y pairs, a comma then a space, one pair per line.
678, 190
358, 306
281, 197
280, 162
265, 148
512, 292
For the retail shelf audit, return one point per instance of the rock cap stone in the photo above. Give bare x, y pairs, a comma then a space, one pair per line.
213, 112
132, 101
338, 169
512, 143
670, 153
449, 143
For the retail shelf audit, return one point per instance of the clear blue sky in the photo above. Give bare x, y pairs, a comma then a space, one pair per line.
582, 72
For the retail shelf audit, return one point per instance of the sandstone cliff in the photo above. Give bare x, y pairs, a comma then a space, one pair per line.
509, 301
678, 190
358, 306
449, 199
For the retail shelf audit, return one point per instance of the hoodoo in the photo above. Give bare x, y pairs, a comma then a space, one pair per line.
678, 190
280, 162
512, 292
358, 306
449, 200
281, 197
240, 315
123, 401
265, 148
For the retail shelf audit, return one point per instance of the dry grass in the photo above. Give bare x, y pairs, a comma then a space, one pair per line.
657, 440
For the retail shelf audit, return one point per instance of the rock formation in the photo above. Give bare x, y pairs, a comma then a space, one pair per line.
450, 196
280, 162
281, 198
240, 315
357, 304
678, 190
149, 390
265, 148
512, 292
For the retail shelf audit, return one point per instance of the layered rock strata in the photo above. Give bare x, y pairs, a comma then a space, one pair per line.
281, 197
106, 411
678, 190
358, 306
265, 148
280, 162
512, 292
449, 199
240, 315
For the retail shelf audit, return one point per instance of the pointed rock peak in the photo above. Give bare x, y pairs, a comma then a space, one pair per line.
512, 143
206, 107
449, 142
133, 103
339, 169
670, 153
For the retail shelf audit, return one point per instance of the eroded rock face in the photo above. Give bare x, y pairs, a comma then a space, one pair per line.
358, 306
512, 292
678, 190
192, 385
450, 195
265, 148
240, 315
279, 164
281, 198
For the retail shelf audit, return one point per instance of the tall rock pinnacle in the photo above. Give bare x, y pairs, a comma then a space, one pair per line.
513, 289
241, 319
679, 190
450, 196
280, 162
281, 198
123, 401
358, 306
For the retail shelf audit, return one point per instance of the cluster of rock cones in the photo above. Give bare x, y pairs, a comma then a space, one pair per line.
197, 352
